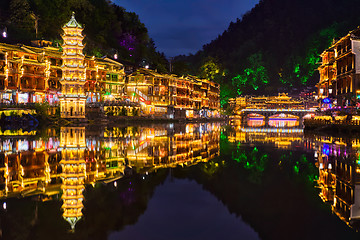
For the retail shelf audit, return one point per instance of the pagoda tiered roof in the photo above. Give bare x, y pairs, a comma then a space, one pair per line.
73, 23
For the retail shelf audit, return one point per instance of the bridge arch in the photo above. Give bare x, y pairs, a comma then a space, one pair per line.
283, 120
255, 120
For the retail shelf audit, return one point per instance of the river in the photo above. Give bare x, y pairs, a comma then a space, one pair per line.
179, 181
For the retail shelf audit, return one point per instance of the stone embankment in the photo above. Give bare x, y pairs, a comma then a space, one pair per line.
339, 124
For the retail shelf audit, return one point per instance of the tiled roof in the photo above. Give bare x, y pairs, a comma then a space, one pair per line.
73, 23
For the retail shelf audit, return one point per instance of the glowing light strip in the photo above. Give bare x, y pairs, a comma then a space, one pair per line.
275, 110
282, 119
273, 130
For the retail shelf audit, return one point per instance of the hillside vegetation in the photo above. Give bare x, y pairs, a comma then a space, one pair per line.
109, 29
274, 47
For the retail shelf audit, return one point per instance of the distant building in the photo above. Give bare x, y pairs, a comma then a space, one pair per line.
281, 101
327, 71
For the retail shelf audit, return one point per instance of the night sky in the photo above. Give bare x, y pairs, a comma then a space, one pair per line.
183, 27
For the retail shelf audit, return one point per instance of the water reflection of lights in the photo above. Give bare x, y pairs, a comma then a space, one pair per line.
81, 160
338, 176
274, 110
273, 130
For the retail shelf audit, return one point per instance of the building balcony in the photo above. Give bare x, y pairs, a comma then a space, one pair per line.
34, 73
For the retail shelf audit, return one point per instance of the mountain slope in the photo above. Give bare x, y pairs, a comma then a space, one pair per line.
274, 47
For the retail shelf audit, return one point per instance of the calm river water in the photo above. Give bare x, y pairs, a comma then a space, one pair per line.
178, 181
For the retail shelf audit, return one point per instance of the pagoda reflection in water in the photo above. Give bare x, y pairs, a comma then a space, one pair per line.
45, 167
72, 145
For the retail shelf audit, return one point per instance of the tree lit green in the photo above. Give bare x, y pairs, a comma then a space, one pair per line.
253, 77
254, 161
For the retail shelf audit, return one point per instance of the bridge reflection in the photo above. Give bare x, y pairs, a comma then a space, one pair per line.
280, 137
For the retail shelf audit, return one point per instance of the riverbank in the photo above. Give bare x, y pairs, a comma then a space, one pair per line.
39, 122
333, 125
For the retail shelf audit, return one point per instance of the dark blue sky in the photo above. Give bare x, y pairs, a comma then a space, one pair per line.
183, 27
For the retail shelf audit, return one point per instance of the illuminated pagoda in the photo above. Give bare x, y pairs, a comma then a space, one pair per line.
72, 143
72, 99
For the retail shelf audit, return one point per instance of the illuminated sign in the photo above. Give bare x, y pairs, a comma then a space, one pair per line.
326, 100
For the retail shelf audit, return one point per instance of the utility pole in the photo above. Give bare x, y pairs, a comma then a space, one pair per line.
170, 64
36, 25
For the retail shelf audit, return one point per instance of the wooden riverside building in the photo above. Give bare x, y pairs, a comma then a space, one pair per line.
340, 70
67, 77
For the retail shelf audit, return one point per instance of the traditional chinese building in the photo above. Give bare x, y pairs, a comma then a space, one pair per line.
72, 99
172, 96
327, 71
340, 71
281, 101
65, 76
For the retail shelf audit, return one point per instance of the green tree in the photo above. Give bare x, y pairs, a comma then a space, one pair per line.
211, 70
253, 77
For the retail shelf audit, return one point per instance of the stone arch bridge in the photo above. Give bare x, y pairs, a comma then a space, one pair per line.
271, 112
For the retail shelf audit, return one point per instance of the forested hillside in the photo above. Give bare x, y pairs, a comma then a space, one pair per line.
274, 47
109, 29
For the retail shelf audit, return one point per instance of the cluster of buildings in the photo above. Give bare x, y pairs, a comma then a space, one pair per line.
77, 157
67, 77
339, 82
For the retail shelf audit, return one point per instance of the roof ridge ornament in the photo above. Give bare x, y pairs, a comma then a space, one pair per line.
73, 22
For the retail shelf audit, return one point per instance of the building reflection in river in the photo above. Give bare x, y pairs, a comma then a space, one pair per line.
339, 177
45, 166
338, 161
